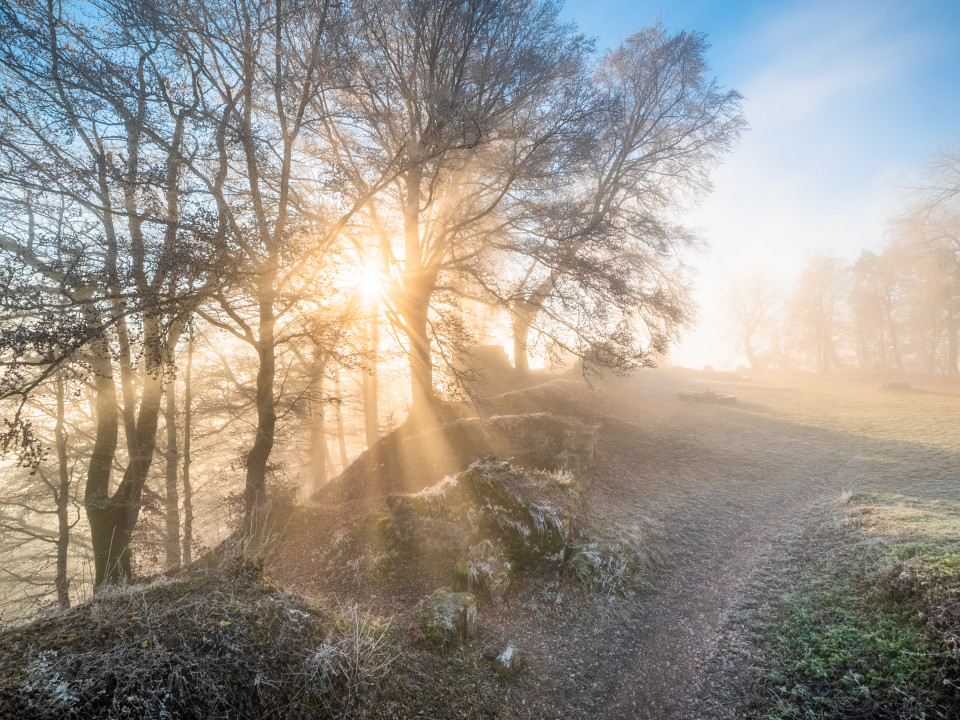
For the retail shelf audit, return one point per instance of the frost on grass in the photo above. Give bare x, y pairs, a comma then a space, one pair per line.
616, 561
488, 569
209, 646
535, 514
608, 567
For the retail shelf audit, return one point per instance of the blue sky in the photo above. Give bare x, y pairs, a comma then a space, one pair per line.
846, 100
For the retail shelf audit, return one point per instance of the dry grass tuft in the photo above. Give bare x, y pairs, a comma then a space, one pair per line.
900, 517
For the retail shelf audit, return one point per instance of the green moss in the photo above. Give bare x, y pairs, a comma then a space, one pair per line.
448, 619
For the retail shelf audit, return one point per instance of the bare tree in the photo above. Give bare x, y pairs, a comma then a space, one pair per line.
942, 184
934, 220
817, 306
470, 97
874, 292
187, 545
658, 125
84, 129
267, 68
752, 303
39, 505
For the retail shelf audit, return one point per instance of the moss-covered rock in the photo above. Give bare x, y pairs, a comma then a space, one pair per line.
488, 521
448, 618
534, 514
430, 519
531, 515
488, 569
510, 663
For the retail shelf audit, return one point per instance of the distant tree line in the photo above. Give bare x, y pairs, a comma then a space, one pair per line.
896, 309
191, 191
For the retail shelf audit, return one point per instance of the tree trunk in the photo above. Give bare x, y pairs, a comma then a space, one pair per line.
524, 312
369, 381
62, 583
418, 286
327, 454
751, 355
521, 334
318, 433
952, 346
113, 518
187, 428
338, 414
255, 491
97, 503
172, 501
892, 331
421, 364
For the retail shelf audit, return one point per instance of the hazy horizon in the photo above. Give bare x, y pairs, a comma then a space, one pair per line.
846, 103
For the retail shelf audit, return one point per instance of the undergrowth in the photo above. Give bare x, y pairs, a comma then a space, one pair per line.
214, 645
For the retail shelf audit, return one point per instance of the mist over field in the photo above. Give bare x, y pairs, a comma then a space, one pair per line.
395, 358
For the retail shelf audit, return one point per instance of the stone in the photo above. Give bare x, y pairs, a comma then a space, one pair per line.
488, 569
510, 662
428, 519
533, 514
448, 618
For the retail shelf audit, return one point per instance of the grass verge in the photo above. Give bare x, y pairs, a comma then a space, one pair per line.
870, 628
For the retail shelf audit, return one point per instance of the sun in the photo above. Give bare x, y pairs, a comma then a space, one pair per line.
369, 284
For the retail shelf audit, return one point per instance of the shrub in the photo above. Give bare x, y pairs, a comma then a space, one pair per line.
611, 568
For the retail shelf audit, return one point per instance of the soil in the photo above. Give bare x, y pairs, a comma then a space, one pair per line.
722, 492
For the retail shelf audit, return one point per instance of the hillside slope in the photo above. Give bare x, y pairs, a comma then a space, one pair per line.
714, 500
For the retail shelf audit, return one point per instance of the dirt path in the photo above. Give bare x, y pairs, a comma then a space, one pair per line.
722, 486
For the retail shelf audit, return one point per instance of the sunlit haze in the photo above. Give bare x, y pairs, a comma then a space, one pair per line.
846, 100
457, 359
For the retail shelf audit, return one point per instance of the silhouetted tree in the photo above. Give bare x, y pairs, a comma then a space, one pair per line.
753, 304
89, 131
471, 99
607, 239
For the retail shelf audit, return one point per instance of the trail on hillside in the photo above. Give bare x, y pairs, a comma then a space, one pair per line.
719, 489
719, 486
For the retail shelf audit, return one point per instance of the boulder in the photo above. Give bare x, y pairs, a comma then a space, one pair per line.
431, 519
488, 569
534, 514
526, 517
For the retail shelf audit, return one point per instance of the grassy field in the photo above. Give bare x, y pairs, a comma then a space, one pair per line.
930, 418
857, 614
